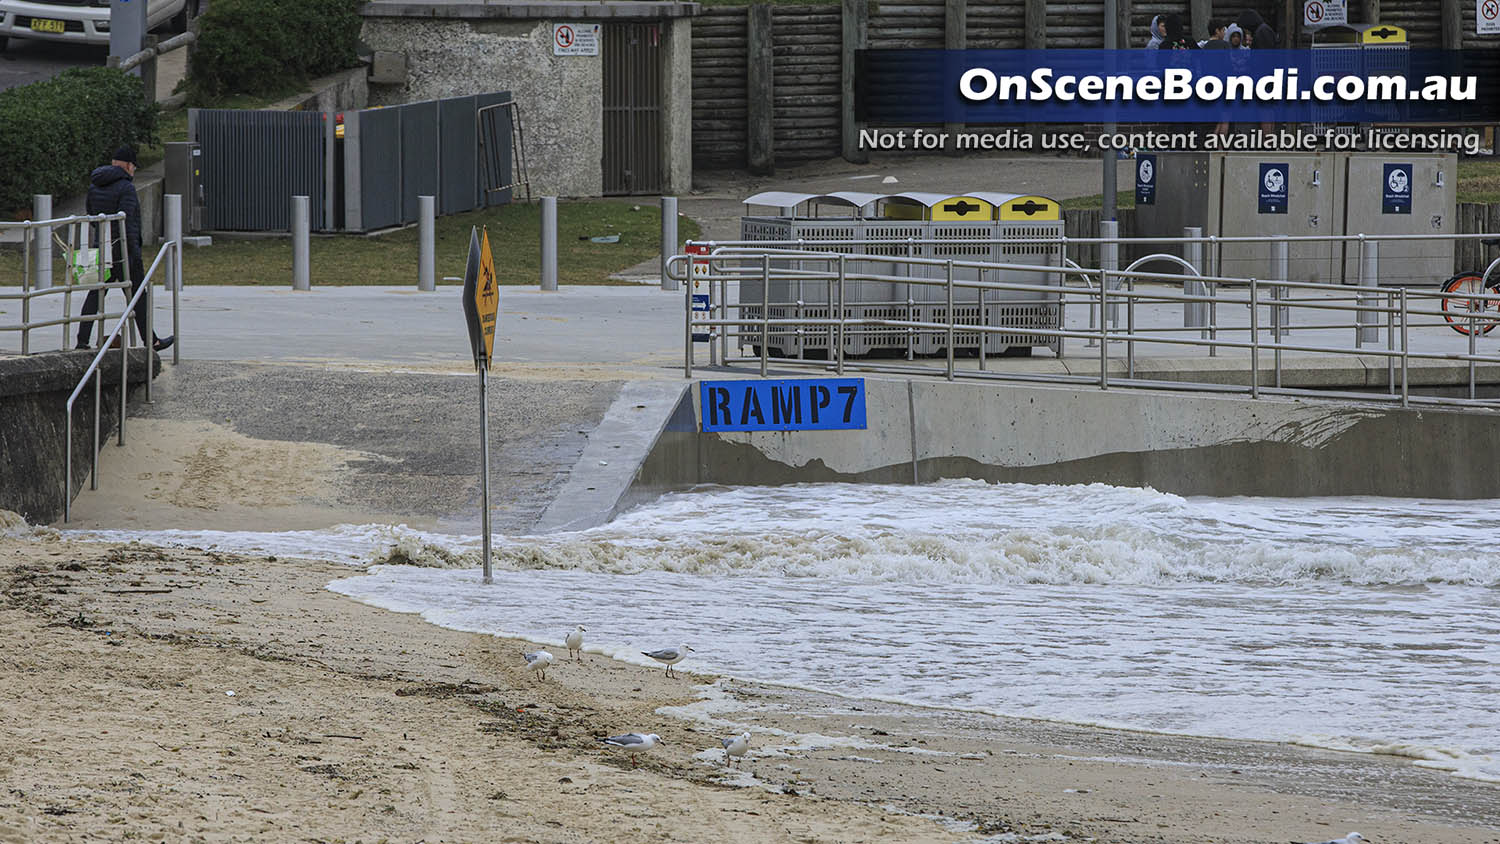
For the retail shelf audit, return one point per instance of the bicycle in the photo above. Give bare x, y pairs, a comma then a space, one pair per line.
1465, 314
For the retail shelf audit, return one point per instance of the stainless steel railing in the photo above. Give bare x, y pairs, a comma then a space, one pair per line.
170, 248
1366, 311
73, 235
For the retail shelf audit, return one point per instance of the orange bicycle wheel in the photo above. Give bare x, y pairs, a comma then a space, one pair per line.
1463, 313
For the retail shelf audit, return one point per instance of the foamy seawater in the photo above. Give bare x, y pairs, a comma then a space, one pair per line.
1356, 623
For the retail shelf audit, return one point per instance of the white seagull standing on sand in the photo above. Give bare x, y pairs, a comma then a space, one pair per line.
634, 742
735, 747
538, 661
1351, 838
671, 656
574, 641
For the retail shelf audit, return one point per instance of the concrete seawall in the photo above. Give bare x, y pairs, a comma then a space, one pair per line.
1188, 444
33, 396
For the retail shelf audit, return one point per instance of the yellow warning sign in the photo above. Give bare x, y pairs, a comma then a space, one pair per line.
487, 297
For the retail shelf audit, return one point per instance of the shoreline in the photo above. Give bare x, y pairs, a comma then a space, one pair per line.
110, 636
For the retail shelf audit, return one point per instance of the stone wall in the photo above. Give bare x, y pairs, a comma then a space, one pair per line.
33, 397
561, 98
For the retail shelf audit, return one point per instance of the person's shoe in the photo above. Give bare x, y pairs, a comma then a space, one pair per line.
163, 343
83, 345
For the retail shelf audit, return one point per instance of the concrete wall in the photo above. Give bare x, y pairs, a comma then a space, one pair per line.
33, 398
1182, 443
561, 97
460, 48
346, 90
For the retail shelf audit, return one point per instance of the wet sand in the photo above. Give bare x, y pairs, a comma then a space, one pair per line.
349, 722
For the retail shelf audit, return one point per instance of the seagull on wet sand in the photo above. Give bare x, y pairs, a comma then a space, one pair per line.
1351, 838
671, 656
574, 641
538, 661
735, 747
634, 743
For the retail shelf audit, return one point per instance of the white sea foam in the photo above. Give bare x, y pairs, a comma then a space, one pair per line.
1361, 623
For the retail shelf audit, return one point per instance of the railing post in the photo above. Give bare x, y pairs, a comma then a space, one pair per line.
26, 234
765, 312
1281, 265
843, 314
1216, 250
1103, 328
1109, 259
951, 319
549, 243
668, 239
41, 209
106, 252
1405, 349
687, 323
427, 243
1366, 319
1254, 341
1194, 314
301, 243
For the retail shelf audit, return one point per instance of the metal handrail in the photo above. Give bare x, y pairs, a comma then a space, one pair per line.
93, 372
755, 264
104, 247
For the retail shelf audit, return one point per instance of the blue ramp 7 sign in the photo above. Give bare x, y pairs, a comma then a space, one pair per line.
822, 404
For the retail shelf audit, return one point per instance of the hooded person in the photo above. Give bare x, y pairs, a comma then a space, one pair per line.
1156, 33
111, 191
1235, 37
1174, 34
1262, 36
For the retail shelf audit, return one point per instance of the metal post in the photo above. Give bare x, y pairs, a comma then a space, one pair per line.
1281, 266
1217, 249
668, 239
26, 234
1194, 314
1103, 329
1367, 328
951, 320
1472, 326
843, 315
1109, 260
687, 327
765, 312
484, 471
172, 220
1254, 341
41, 209
301, 243
1276, 329
1130, 328
427, 243
1390, 343
549, 243
1405, 360
106, 251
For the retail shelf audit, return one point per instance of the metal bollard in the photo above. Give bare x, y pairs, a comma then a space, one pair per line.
427, 243
41, 209
549, 243
172, 229
1367, 322
1194, 314
668, 239
301, 243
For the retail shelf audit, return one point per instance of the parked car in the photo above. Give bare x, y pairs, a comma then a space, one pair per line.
80, 21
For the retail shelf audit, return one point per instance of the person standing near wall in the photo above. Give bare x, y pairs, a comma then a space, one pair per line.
112, 190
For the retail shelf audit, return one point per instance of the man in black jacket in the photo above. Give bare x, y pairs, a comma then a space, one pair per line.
111, 190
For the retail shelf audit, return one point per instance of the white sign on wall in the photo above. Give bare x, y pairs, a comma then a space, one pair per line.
1487, 17
1324, 12
575, 39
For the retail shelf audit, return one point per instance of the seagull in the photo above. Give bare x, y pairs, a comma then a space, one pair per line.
1351, 838
538, 661
671, 656
634, 742
735, 747
574, 641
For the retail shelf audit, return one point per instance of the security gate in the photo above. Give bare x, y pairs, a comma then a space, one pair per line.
632, 108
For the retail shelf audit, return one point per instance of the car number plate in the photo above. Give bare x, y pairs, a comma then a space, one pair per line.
44, 25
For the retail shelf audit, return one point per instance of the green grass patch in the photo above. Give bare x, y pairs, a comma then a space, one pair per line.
1479, 179
1123, 199
515, 237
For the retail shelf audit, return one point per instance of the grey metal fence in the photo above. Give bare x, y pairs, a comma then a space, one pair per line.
254, 162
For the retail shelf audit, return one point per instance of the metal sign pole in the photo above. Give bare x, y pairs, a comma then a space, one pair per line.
484, 462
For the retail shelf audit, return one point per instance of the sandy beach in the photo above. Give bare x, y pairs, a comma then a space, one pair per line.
167, 694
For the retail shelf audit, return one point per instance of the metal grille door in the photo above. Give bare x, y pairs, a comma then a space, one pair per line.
255, 162
632, 108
